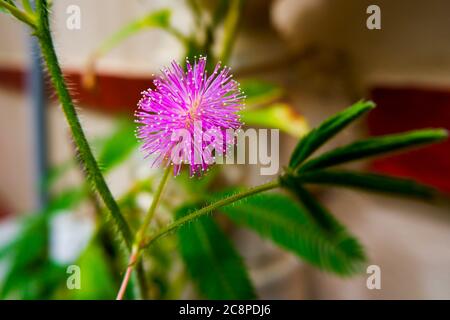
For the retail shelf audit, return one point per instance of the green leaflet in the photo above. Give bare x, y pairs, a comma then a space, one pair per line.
259, 92
197, 186
262, 110
368, 181
219, 12
326, 131
374, 146
111, 151
97, 280
156, 19
280, 219
118, 146
29, 267
211, 260
279, 116
28, 249
31, 273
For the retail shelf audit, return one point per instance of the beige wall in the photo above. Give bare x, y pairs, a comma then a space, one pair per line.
412, 46
407, 239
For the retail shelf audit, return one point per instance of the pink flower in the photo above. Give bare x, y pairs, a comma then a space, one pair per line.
190, 102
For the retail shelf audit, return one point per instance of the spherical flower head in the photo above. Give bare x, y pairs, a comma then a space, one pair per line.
192, 102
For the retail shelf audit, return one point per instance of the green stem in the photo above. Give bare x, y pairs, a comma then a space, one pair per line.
177, 34
140, 235
151, 212
231, 24
93, 171
201, 212
129, 30
19, 14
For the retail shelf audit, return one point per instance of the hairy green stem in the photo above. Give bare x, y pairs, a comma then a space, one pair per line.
19, 14
201, 212
140, 235
86, 156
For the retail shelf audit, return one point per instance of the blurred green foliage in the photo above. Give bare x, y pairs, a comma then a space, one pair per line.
212, 260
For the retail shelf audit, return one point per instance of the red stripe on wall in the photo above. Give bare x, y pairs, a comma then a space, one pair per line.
403, 108
399, 109
113, 93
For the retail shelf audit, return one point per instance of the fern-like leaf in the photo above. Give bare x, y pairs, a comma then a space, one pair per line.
212, 261
282, 220
327, 130
374, 146
368, 181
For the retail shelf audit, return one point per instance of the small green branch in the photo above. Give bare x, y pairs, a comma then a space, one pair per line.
196, 11
231, 26
27, 6
86, 156
140, 235
136, 26
201, 212
151, 212
19, 14
155, 20
177, 34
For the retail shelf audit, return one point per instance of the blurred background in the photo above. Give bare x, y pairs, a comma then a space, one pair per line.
317, 56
